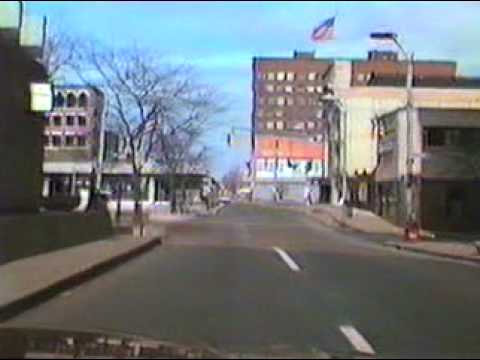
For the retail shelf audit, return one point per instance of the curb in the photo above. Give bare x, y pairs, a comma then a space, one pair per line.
399, 246
18, 306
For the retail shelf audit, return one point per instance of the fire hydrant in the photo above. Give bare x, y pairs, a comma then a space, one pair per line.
412, 231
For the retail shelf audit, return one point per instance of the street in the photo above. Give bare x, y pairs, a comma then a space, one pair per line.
259, 280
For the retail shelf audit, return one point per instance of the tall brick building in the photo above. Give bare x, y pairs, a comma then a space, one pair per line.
287, 105
287, 118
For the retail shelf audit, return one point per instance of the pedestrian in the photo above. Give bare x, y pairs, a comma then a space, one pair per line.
308, 195
275, 193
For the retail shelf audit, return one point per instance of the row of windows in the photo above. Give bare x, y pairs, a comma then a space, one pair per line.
66, 140
450, 137
71, 100
282, 125
279, 113
290, 101
270, 88
289, 76
69, 120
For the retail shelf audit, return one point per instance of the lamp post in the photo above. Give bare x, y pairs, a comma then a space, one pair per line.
408, 178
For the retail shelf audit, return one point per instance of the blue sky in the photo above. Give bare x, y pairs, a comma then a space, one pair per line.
219, 39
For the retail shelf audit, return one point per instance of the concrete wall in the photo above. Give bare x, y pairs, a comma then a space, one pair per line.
21, 149
28, 235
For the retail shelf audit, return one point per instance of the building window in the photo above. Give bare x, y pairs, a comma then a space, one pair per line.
290, 76
278, 113
82, 121
280, 76
361, 77
453, 137
71, 100
434, 137
69, 140
271, 76
319, 114
269, 88
310, 125
280, 125
319, 89
288, 89
59, 100
83, 100
312, 76
301, 101
81, 141
310, 89
271, 101
46, 140
260, 113
300, 126
261, 101
56, 140
270, 125
289, 101
57, 120
280, 101
70, 120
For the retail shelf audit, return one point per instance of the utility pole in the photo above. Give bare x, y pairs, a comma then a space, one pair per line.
408, 183
101, 148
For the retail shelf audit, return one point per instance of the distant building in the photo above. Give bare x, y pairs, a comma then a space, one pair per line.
446, 177
72, 139
287, 123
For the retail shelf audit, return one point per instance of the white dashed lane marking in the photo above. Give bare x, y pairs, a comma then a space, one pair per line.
287, 259
357, 340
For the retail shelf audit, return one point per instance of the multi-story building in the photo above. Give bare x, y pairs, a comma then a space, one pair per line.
72, 139
369, 88
445, 174
288, 100
286, 119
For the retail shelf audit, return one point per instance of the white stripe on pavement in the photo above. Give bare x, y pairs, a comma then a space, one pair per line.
357, 340
288, 260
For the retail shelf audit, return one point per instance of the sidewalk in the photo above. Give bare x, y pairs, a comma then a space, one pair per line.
452, 250
362, 220
28, 281
453, 247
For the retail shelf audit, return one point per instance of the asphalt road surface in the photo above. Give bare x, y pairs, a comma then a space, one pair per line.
257, 280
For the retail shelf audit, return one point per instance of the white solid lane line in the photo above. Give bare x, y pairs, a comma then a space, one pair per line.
288, 260
357, 340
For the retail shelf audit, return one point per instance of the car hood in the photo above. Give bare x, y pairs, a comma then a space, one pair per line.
52, 343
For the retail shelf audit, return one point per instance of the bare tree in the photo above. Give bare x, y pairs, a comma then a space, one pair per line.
58, 53
232, 179
151, 105
179, 149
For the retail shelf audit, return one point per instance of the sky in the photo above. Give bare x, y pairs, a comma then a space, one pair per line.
220, 38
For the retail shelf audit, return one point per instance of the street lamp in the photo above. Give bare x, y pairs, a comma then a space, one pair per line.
408, 183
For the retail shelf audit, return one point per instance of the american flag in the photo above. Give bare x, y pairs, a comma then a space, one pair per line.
324, 31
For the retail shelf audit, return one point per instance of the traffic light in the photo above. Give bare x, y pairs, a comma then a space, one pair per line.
229, 140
